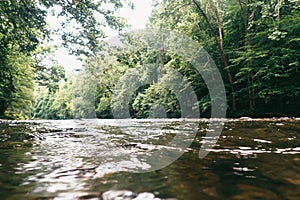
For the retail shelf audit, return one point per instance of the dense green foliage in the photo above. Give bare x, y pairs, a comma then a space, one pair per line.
255, 45
23, 29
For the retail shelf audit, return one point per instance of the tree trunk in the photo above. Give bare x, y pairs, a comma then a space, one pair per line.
251, 91
219, 42
2, 109
278, 9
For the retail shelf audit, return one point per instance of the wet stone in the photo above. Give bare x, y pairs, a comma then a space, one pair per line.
128, 195
146, 195
118, 195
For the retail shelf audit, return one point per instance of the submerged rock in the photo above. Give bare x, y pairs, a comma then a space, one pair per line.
128, 195
146, 196
118, 195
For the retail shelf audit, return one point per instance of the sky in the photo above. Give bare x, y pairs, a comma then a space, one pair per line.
136, 18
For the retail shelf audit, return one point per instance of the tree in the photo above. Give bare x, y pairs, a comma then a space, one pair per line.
263, 58
218, 39
23, 27
21, 100
256, 45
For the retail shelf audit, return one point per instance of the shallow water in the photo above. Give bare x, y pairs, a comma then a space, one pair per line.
81, 159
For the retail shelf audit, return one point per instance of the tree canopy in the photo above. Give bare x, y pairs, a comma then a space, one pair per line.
23, 27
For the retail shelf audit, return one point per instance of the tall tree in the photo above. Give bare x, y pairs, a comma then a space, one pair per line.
218, 39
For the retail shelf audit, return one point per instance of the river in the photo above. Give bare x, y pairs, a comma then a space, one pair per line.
103, 159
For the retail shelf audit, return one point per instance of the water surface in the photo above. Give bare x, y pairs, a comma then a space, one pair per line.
81, 159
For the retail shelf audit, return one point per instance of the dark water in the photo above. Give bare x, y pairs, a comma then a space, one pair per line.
253, 159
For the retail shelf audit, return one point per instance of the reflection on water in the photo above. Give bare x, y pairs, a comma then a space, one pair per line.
82, 159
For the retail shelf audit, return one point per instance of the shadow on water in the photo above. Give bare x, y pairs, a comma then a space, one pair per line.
82, 159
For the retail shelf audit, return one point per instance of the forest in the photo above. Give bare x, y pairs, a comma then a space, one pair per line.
254, 44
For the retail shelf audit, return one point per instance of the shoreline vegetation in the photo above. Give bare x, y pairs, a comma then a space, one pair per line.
255, 46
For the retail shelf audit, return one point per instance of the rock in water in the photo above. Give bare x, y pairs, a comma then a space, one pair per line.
118, 195
128, 195
146, 196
